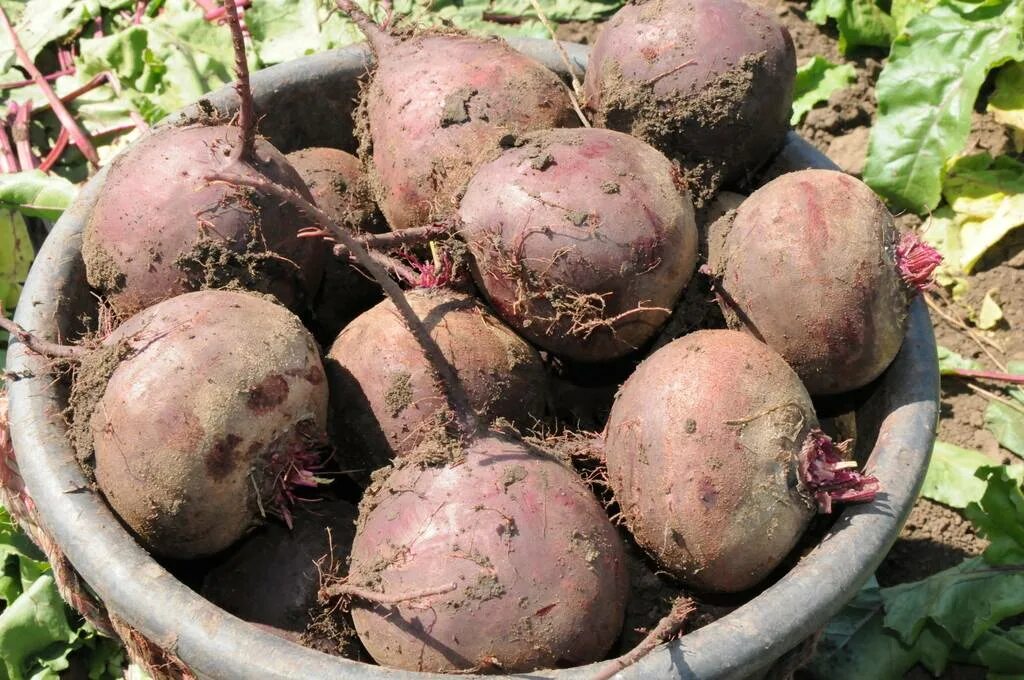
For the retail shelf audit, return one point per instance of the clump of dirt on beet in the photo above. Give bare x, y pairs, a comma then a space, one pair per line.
89, 381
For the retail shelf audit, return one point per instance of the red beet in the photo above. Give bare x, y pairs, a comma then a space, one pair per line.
811, 264
581, 240
208, 421
709, 82
716, 460
435, 107
160, 229
534, 572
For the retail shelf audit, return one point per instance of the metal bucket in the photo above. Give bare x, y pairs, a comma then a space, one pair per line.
307, 102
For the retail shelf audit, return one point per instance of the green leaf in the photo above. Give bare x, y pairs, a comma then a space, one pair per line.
903, 11
1006, 103
927, 90
860, 22
15, 256
42, 22
951, 478
999, 516
30, 625
288, 29
950, 361
816, 80
997, 650
1007, 424
33, 192
964, 601
990, 313
987, 198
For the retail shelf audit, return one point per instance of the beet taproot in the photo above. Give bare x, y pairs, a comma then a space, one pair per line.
436, 105
720, 479
534, 573
708, 82
581, 240
339, 187
385, 399
812, 264
159, 229
203, 413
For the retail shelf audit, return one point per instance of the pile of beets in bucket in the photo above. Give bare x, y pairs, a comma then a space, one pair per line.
488, 396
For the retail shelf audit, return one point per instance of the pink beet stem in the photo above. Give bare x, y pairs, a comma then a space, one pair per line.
218, 13
379, 39
55, 153
917, 261
1012, 378
19, 130
9, 160
246, 113
830, 478
65, 118
25, 83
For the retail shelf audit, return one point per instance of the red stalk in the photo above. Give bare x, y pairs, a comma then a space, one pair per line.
55, 153
77, 136
19, 130
8, 159
1011, 378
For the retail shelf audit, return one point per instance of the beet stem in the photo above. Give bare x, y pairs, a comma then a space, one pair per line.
65, 118
917, 261
55, 153
8, 158
346, 590
393, 239
826, 476
379, 39
669, 625
246, 113
446, 376
988, 375
19, 130
37, 344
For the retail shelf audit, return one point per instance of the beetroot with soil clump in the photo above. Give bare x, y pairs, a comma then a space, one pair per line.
159, 229
581, 239
385, 398
720, 480
436, 106
813, 265
208, 420
533, 573
338, 185
709, 82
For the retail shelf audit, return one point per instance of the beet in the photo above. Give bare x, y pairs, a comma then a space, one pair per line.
709, 82
339, 187
159, 229
581, 240
720, 480
385, 400
809, 264
272, 578
436, 104
214, 409
536, 573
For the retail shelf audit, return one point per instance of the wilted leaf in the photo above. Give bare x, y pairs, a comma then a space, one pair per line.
860, 22
990, 313
927, 90
999, 516
816, 80
33, 192
1007, 424
950, 361
1006, 103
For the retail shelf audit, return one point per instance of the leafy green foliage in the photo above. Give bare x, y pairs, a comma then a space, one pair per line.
816, 80
1007, 100
860, 22
927, 91
950, 361
950, 616
1006, 420
951, 478
36, 194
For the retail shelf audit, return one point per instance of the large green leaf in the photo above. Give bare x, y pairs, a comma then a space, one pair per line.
816, 80
951, 478
1007, 424
43, 21
927, 90
30, 625
860, 22
33, 192
999, 516
15, 257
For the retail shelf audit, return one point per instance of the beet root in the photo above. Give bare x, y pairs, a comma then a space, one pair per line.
339, 187
159, 229
810, 263
708, 82
435, 109
581, 240
208, 420
272, 578
536, 571
385, 398
719, 482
